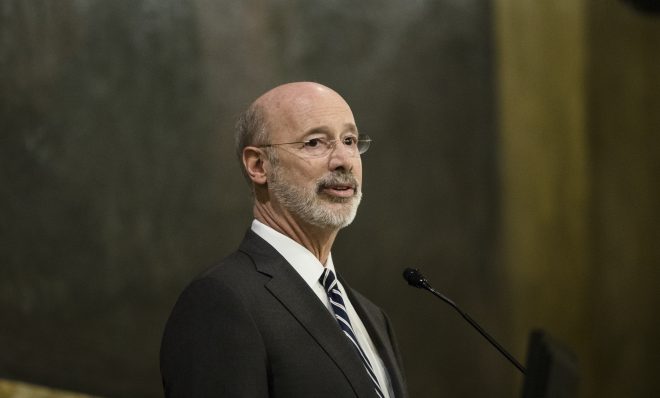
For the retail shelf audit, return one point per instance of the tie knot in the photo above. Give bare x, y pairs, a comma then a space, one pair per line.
328, 279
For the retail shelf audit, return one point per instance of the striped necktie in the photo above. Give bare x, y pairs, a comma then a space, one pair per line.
329, 282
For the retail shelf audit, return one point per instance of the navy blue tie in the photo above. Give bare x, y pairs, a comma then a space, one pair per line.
329, 282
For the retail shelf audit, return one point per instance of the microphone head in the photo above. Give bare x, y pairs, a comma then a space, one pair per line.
415, 278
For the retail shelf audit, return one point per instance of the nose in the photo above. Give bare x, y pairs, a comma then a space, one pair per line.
341, 157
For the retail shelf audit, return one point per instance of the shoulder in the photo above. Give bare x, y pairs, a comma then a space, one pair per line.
211, 338
219, 296
233, 276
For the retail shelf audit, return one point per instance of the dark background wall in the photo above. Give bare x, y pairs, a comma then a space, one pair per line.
497, 129
119, 182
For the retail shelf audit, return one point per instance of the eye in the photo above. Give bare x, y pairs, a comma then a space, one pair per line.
350, 140
313, 143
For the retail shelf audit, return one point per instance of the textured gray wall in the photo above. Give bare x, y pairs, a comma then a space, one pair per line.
118, 182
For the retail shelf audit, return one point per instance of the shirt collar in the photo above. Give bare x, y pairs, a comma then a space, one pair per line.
301, 259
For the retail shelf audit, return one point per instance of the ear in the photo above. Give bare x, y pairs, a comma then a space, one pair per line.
253, 161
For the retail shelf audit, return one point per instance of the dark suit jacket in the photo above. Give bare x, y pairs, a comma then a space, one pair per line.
251, 327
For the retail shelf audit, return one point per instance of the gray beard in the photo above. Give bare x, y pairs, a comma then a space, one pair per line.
311, 206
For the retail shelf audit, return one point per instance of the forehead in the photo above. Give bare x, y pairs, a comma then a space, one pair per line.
300, 112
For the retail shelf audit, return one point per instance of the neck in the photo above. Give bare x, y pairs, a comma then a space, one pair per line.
318, 240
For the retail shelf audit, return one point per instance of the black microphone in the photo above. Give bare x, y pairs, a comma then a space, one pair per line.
416, 279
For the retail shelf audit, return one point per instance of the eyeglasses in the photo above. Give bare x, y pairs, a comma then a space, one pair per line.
319, 147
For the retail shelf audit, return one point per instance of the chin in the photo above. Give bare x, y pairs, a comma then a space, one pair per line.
333, 215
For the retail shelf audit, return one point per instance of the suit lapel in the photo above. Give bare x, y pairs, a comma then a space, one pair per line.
296, 296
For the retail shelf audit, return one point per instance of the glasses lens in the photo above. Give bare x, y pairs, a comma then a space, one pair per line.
363, 143
316, 147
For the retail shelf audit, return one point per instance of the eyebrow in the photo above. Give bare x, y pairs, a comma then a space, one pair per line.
348, 128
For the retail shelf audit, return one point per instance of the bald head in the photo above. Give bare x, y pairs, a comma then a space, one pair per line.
289, 92
281, 100
284, 108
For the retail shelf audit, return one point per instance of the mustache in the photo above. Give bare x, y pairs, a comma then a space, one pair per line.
341, 177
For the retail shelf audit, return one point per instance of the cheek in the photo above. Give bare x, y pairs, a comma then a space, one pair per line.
305, 175
299, 172
357, 170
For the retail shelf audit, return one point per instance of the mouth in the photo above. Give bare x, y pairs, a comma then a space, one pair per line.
338, 186
339, 190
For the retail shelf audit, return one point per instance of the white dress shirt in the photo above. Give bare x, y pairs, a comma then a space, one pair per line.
310, 269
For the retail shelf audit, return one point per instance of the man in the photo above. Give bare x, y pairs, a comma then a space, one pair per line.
271, 320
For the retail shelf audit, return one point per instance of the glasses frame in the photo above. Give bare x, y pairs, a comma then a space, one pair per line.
331, 144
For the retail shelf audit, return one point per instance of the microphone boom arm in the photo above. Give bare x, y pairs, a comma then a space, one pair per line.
474, 324
416, 279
